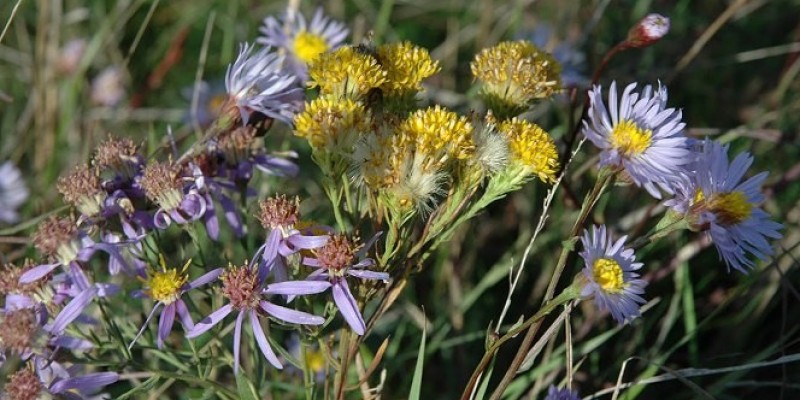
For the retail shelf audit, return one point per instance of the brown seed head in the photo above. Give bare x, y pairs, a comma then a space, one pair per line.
117, 154
279, 211
240, 285
9, 280
238, 145
338, 253
55, 233
81, 188
18, 330
23, 385
162, 184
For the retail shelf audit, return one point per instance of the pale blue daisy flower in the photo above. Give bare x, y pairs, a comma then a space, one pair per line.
302, 41
13, 192
610, 276
718, 199
639, 135
553, 393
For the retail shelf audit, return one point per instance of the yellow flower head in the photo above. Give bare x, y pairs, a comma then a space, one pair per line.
438, 134
329, 122
532, 147
165, 285
406, 66
346, 72
514, 73
308, 46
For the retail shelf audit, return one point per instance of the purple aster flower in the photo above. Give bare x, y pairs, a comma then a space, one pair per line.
302, 41
256, 83
554, 393
240, 151
13, 192
120, 166
210, 99
166, 287
163, 184
571, 59
242, 288
337, 259
48, 379
639, 135
279, 216
718, 199
609, 275
209, 184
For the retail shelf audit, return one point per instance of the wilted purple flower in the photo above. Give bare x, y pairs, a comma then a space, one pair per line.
210, 100
166, 287
163, 184
120, 164
242, 288
279, 215
717, 200
648, 31
640, 135
554, 393
302, 42
240, 152
256, 83
53, 380
336, 260
107, 87
609, 274
13, 192
82, 189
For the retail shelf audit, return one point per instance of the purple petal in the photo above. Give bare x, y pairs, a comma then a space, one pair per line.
205, 278
348, 307
72, 343
77, 276
208, 322
18, 302
106, 289
307, 242
237, 342
37, 272
297, 288
211, 221
193, 205
165, 324
232, 215
72, 310
183, 314
263, 344
85, 384
161, 219
363, 251
289, 315
383, 276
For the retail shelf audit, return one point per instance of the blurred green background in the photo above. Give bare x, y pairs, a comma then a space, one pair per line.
732, 66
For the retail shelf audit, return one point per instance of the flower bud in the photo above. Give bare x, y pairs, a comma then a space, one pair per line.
648, 31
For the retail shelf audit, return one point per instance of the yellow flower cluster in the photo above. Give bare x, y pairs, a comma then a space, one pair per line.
346, 72
515, 73
438, 133
532, 147
330, 123
406, 67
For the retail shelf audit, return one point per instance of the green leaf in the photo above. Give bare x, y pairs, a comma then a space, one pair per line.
416, 382
143, 388
245, 388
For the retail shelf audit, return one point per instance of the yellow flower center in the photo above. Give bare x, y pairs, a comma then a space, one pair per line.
532, 146
608, 274
315, 360
730, 208
630, 139
308, 46
165, 285
698, 196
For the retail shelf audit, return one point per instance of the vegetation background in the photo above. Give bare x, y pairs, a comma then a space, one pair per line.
732, 66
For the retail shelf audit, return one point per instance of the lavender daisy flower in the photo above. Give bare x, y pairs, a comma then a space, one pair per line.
210, 101
279, 216
303, 42
716, 199
336, 260
241, 152
554, 393
256, 83
609, 275
120, 165
166, 287
13, 192
639, 135
163, 184
49, 379
568, 55
242, 288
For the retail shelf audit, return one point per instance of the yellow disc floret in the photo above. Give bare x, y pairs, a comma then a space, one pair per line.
608, 275
730, 208
514, 73
329, 122
531, 146
406, 66
630, 139
438, 134
308, 46
346, 72
165, 285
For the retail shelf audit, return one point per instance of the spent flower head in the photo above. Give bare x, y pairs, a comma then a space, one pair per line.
58, 237
346, 73
162, 184
279, 212
81, 188
19, 328
23, 385
640, 135
303, 41
609, 274
120, 155
513, 74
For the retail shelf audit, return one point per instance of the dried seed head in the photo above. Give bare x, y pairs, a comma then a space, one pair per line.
337, 254
23, 385
82, 189
9, 280
18, 330
58, 237
119, 155
279, 211
238, 145
240, 285
162, 184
